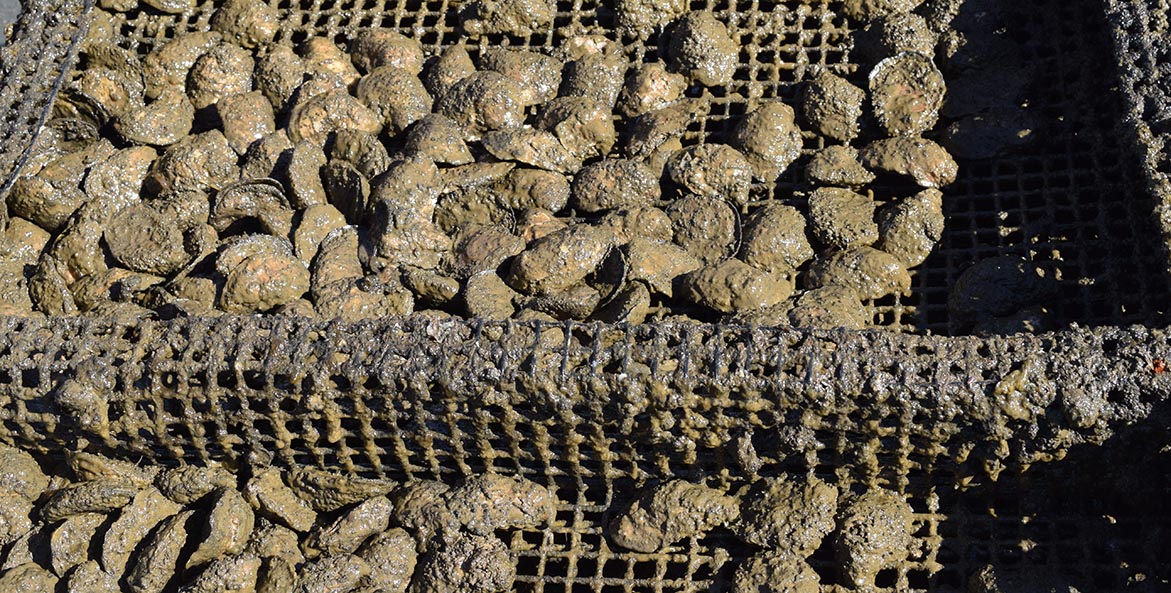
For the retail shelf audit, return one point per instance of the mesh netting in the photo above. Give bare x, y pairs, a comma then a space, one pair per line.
595, 412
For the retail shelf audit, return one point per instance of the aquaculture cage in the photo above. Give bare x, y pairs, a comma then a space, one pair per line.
1040, 459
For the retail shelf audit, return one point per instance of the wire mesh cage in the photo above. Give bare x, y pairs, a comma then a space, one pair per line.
1037, 455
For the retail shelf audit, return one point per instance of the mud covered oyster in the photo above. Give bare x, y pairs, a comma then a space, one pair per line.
874, 532
702, 49
668, 512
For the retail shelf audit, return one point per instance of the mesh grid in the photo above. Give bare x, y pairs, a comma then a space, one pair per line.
595, 411
1075, 202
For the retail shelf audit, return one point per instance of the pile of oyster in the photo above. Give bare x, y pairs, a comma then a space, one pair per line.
229, 171
106, 526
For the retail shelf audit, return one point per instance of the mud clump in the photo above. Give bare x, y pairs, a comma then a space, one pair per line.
702, 49
873, 274
465, 563
669, 512
513, 17
489, 502
778, 572
833, 107
906, 92
642, 18
842, 219
874, 533
787, 515
732, 286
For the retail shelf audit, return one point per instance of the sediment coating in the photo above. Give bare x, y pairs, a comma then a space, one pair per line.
960, 393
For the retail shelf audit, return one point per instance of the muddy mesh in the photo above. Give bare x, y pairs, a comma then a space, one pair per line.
596, 411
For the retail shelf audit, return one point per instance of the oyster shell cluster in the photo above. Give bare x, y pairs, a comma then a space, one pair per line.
101, 525
785, 518
228, 171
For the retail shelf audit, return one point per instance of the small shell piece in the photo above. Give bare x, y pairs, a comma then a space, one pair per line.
512, 17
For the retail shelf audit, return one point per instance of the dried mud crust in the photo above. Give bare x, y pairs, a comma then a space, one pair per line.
421, 151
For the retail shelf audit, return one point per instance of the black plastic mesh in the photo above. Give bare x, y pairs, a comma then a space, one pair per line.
595, 411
